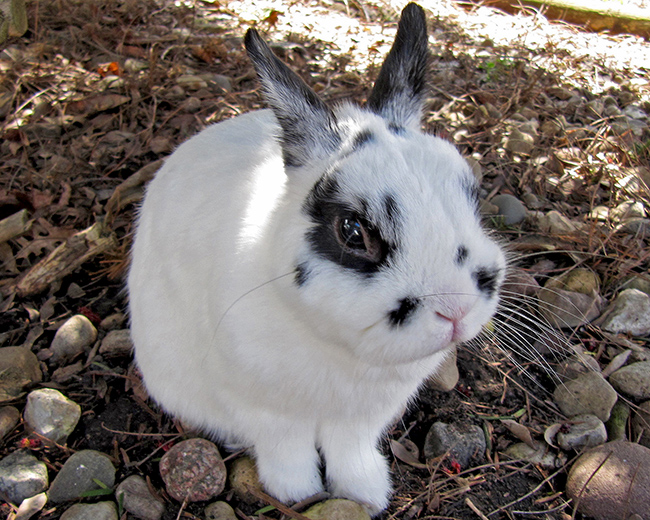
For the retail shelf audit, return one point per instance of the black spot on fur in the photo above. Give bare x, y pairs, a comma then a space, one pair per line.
301, 275
361, 138
403, 312
461, 255
391, 208
325, 208
471, 189
396, 129
486, 280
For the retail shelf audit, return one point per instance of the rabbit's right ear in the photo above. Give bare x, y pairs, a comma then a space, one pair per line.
308, 125
398, 94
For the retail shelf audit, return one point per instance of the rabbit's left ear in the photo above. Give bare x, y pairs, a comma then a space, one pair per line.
400, 89
308, 125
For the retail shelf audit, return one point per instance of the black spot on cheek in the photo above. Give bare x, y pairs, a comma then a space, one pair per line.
403, 312
486, 280
301, 275
461, 255
396, 129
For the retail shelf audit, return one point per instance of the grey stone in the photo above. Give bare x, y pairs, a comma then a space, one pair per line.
633, 380
584, 431
586, 394
9, 417
21, 476
465, 446
51, 414
641, 424
519, 142
78, 475
511, 208
219, 511
611, 481
629, 313
98, 511
117, 343
137, 499
72, 338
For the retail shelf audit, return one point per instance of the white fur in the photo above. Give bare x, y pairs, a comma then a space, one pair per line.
228, 341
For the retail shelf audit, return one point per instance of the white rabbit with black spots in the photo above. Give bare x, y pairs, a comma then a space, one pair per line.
298, 272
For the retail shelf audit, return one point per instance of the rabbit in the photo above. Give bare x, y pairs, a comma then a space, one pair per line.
298, 272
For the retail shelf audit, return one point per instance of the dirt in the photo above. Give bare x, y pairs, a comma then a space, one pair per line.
95, 91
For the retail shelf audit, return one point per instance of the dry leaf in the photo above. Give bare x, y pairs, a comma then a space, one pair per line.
520, 431
403, 454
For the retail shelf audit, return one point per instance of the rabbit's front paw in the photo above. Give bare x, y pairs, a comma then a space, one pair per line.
364, 479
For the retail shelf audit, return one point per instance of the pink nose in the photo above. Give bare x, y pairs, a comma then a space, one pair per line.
454, 316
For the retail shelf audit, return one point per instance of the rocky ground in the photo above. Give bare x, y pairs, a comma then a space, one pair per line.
555, 122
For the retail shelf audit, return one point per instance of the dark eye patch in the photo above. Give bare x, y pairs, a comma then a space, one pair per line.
461, 255
327, 211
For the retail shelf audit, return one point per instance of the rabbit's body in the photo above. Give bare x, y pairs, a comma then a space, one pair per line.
298, 273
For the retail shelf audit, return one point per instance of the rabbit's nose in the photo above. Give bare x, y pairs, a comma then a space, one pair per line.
454, 317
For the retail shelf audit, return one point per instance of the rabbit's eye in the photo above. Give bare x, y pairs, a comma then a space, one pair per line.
352, 233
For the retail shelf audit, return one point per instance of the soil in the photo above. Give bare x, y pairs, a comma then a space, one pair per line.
96, 91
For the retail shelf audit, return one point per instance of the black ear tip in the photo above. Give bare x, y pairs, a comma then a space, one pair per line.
251, 37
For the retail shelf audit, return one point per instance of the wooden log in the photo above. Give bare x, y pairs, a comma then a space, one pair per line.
593, 15
67, 257
14, 225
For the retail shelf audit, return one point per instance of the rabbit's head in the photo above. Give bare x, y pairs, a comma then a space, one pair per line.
392, 262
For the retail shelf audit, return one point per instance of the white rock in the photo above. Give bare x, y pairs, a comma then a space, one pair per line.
21, 476
584, 431
51, 414
72, 338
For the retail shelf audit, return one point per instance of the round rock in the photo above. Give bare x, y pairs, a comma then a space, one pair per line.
337, 509
193, 470
219, 511
583, 431
51, 414
633, 380
79, 475
72, 338
19, 367
511, 208
21, 476
98, 511
243, 476
464, 445
612, 481
137, 499
586, 394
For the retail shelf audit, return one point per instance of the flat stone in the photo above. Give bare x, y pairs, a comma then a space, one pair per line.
117, 343
9, 417
612, 481
511, 208
464, 445
79, 473
629, 313
446, 377
21, 476
219, 511
633, 380
75, 335
98, 511
555, 223
137, 499
588, 393
337, 509
51, 414
19, 367
571, 299
583, 431
193, 470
